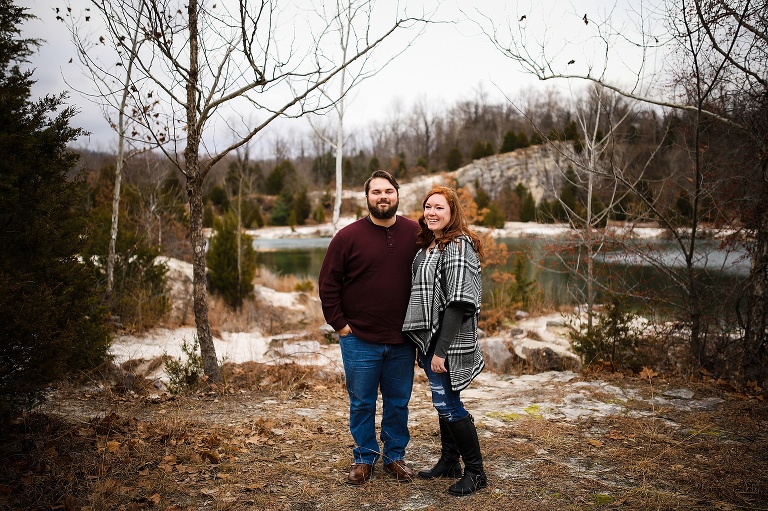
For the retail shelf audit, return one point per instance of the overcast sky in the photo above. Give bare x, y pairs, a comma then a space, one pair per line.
447, 63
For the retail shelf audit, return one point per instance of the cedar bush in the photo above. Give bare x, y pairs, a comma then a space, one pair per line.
139, 298
51, 324
222, 262
615, 338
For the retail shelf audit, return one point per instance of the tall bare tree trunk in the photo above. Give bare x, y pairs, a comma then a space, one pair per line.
339, 166
195, 193
590, 255
112, 255
119, 162
698, 339
755, 345
340, 133
240, 38
240, 232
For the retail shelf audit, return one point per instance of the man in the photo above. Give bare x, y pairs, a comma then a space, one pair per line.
365, 284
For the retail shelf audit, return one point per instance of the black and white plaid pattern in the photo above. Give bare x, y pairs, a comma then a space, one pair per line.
442, 278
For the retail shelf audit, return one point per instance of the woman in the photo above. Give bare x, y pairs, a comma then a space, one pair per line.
442, 321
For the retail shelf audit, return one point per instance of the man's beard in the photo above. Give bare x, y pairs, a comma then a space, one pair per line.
383, 214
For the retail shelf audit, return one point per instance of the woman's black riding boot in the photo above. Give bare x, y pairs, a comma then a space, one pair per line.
448, 465
465, 436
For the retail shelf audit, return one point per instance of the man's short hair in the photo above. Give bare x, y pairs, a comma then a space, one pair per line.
384, 175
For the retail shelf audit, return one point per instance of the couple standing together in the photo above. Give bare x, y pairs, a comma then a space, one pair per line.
392, 288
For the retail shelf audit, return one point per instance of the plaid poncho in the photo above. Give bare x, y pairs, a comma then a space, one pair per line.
442, 278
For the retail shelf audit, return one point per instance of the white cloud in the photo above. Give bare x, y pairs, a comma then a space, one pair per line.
448, 62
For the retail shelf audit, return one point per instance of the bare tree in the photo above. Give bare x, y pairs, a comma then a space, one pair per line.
732, 36
207, 62
240, 182
423, 130
584, 164
112, 86
153, 174
348, 23
718, 76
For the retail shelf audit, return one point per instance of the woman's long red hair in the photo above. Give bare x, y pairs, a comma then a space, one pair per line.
457, 225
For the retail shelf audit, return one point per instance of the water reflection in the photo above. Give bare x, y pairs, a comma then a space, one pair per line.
660, 275
719, 270
299, 256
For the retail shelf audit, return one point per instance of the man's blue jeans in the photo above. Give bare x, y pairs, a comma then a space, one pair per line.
369, 367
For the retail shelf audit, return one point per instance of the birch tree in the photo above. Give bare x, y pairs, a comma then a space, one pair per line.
211, 66
348, 23
111, 80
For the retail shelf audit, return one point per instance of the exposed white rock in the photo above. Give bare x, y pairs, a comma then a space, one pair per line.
678, 393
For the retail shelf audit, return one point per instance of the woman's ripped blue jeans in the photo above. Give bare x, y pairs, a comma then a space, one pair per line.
447, 402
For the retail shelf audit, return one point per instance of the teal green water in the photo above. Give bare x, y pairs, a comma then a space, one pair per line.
719, 271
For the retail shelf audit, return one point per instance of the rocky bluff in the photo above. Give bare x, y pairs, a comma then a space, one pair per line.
540, 168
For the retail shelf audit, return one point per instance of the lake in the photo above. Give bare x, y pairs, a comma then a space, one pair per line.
292, 256
717, 268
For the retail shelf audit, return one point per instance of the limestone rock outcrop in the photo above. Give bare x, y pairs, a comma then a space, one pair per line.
540, 168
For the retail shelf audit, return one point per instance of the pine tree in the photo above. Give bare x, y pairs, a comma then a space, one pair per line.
301, 206
282, 209
481, 150
510, 142
318, 214
374, 164
139, 297
323, 168
50, 322
453, 160
230, 278
567, 206
528, 210
482, 198
522, 140
493, 217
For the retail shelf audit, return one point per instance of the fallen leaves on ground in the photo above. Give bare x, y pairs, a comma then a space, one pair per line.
285, 445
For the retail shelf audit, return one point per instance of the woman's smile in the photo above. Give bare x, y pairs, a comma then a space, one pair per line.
437, 213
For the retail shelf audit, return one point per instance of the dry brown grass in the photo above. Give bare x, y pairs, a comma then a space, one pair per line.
284, 283
254, 313
276, 438
257, 314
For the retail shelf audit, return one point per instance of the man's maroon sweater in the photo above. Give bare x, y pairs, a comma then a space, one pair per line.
365, 279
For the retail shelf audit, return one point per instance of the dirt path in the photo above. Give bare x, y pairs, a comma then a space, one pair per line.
276, 438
